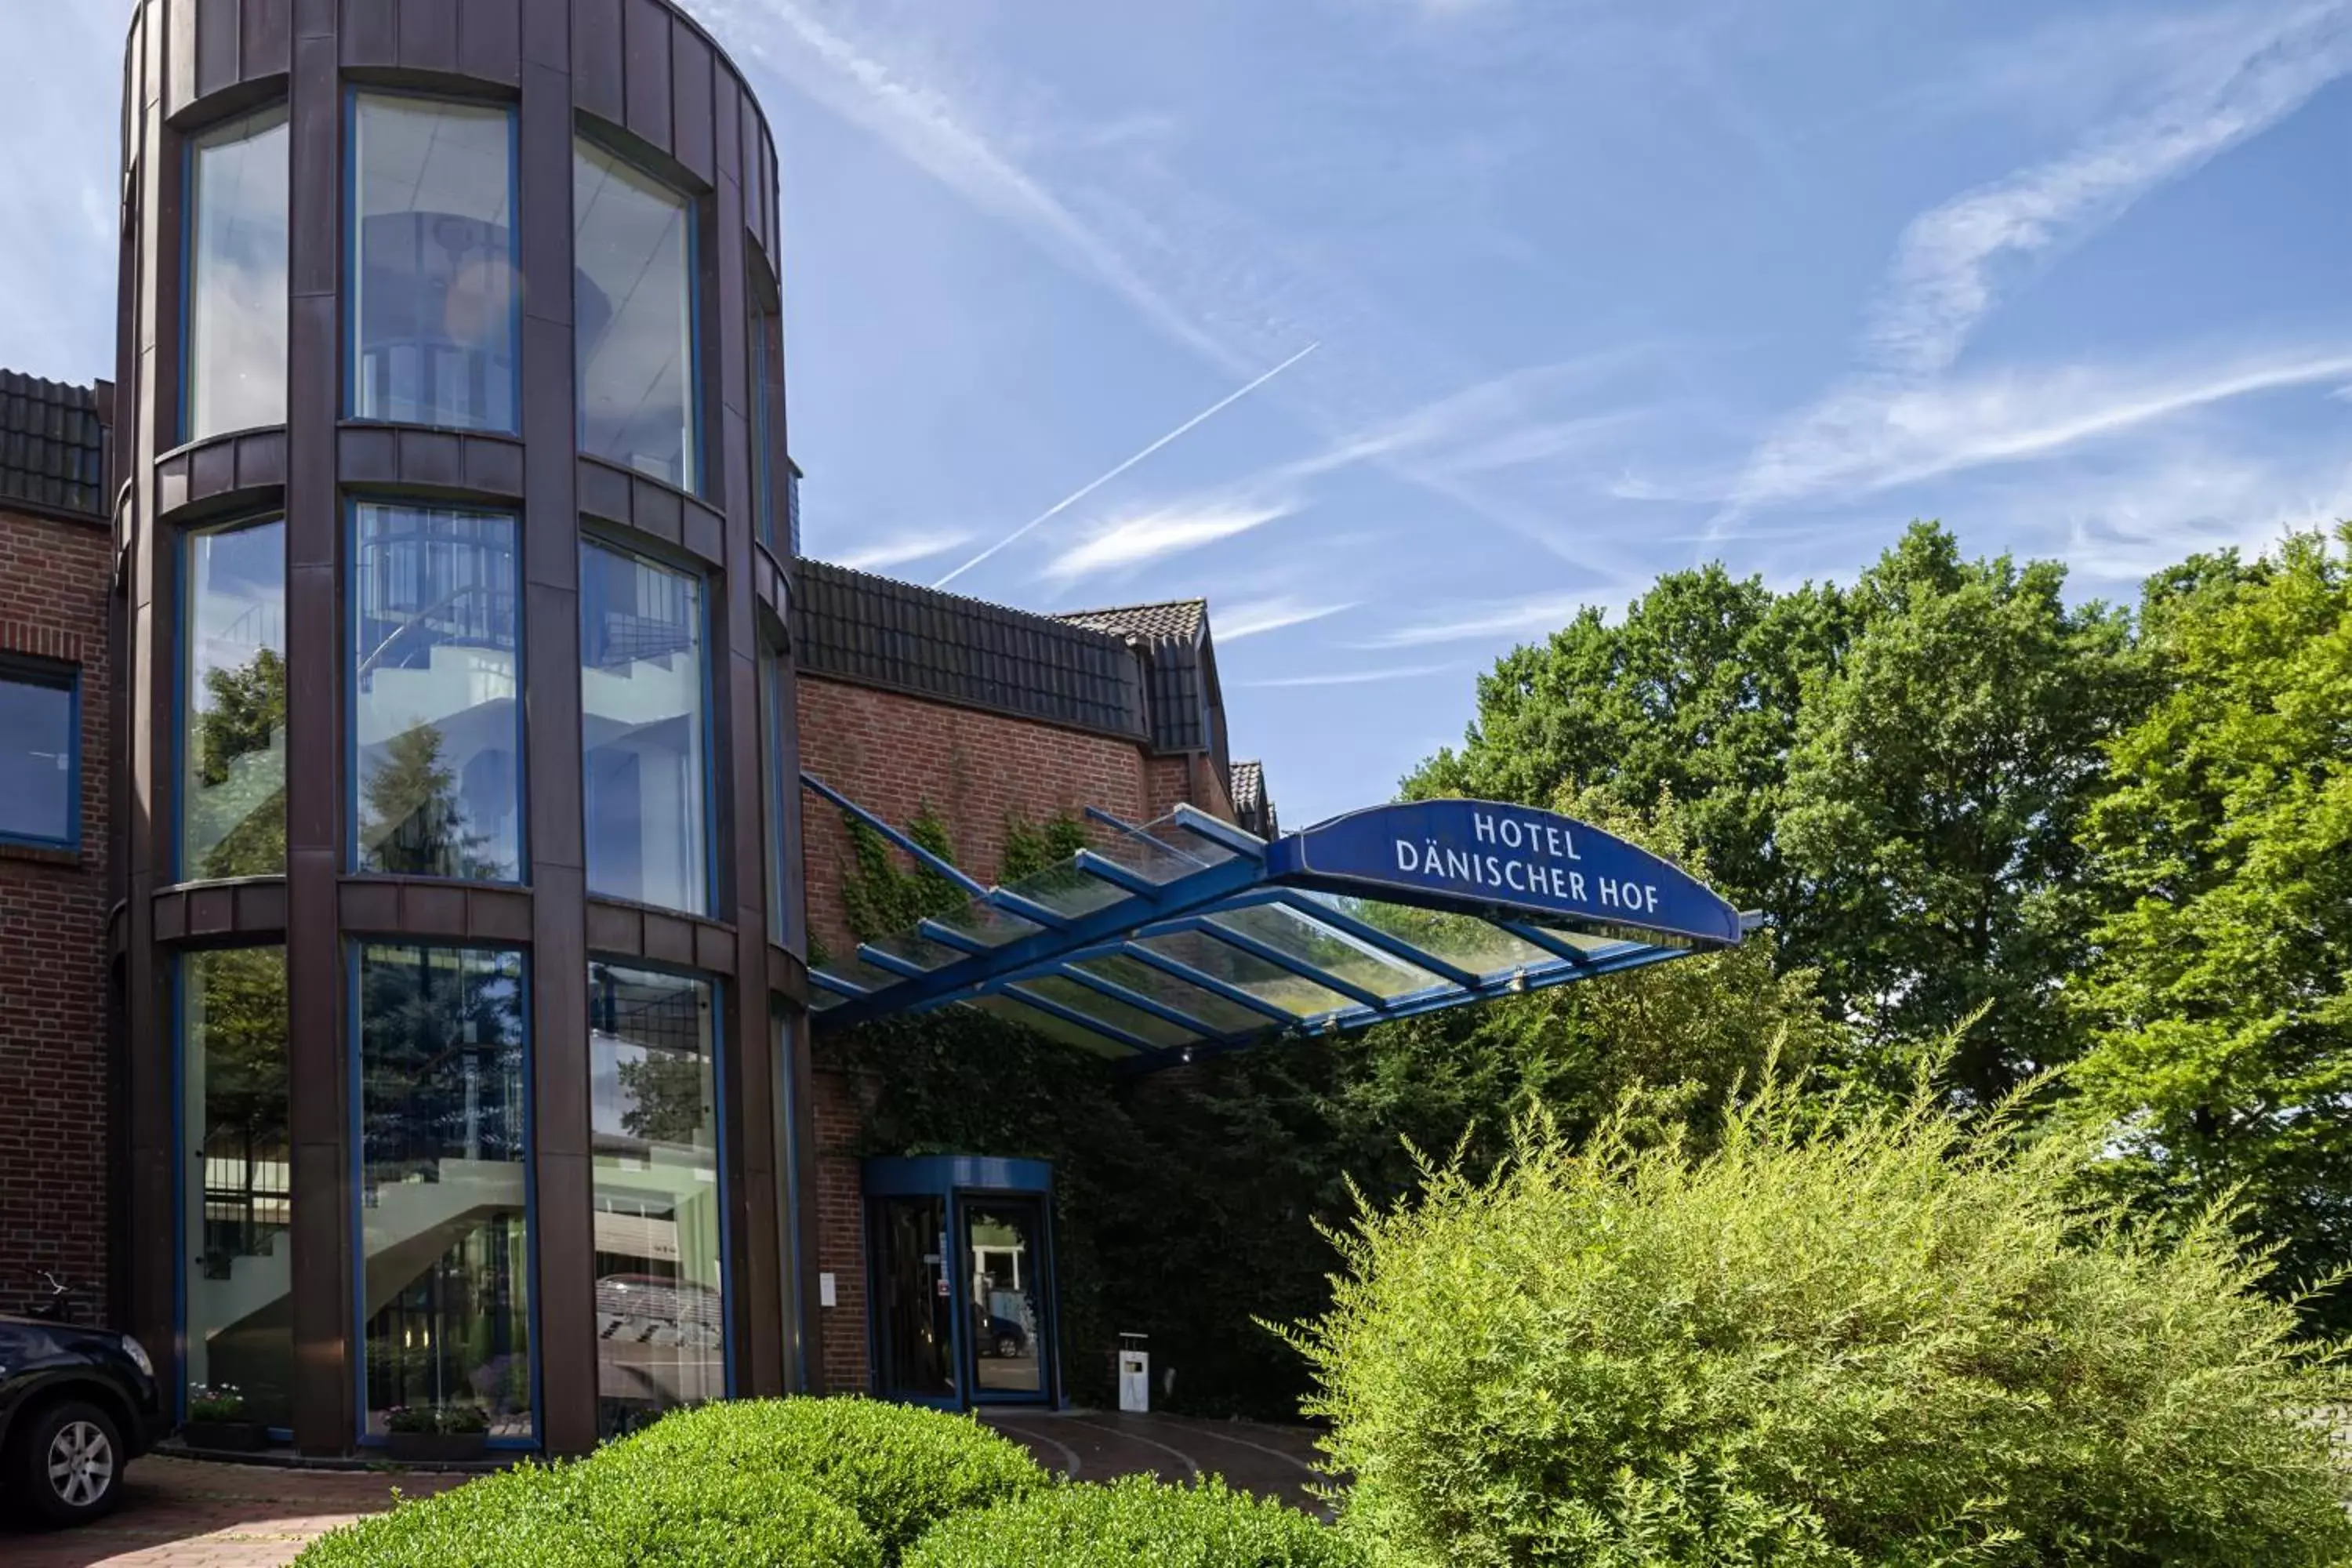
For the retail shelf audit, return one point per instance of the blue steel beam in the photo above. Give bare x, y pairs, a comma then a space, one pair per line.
1177, 969
1110, 1032
1160, 1010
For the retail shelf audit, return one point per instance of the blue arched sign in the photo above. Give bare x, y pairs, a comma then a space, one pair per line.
1480, 856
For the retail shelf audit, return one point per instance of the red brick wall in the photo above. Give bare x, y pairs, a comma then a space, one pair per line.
895, 754
54, 579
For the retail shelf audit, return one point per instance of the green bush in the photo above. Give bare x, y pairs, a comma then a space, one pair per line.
1847, 1339
899, 1470
666, 1511
529, 1517
1131, 1522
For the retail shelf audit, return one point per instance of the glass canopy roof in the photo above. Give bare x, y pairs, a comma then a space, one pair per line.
1188, 933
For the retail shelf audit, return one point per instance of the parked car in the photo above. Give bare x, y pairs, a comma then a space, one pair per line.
1004, 1338
76, 1406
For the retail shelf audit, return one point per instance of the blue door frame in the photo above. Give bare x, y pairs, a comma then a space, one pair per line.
957, 1180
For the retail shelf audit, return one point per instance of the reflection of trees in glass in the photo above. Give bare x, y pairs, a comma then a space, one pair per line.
237, 807
412, 822
442, 1049
667, 1098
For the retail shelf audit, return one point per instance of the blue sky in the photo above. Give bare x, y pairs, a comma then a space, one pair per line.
1594, 290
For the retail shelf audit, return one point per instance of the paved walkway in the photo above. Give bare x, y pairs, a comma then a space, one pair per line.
185, 1513
188, 1513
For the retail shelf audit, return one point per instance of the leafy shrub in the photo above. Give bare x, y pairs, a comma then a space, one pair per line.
623, 1515
1130, 1521
529, 1517
899, 1470
215, 1401
1848, 1338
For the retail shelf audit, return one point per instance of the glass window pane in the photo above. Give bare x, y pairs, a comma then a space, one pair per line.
775, 694
1064, 991
445, 1092
633, 314
643, 728
786, 1101
234, 1183
653, 1120
233, 748
1466, 941
1068, 891
237, 276
766, 399
38, 746
1221, 960
437, 723
1053, 1026
1295, 936
432, 292
1218, 1012
983, 922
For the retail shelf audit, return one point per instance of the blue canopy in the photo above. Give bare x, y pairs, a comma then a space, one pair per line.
1188, 933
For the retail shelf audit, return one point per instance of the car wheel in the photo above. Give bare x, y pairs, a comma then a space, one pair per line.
68, 1464
1007, 1347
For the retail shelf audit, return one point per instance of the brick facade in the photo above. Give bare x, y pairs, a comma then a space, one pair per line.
54, 581
895, 754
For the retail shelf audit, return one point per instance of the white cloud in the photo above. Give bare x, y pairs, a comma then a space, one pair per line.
1947, 425
2218, 84
1130, 542
1514, 617
1349, 677
60, 96
883, 554
1256, 616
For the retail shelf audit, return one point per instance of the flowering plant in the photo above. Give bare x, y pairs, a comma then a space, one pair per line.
215, 1401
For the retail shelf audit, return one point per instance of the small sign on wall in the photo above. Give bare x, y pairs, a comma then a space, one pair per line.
824, 1292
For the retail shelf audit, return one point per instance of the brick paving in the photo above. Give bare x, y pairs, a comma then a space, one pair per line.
187, 1513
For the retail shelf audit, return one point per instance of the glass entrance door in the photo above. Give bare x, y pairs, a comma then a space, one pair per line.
914, 1308
1008, 1340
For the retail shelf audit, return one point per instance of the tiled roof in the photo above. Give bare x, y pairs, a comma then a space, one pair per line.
1176, 620
52, 450
1248, 787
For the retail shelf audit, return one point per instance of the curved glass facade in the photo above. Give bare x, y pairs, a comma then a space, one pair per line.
457, 696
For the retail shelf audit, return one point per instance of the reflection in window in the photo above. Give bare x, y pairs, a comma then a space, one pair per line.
661, 1338
39, 746
237, 276
237, 1192
633, 314
642, 705
433, 306
444, 1126
786, 1101
775, 717
435, 722
767, 406
233, 744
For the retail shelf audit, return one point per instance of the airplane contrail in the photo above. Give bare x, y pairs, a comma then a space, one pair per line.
1076, 496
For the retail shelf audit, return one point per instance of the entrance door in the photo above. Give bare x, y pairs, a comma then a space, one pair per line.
914, 1311
1009, 1343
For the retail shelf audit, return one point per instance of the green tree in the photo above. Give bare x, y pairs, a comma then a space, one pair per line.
2220, 999
1934, 795
1693, 692
237, 817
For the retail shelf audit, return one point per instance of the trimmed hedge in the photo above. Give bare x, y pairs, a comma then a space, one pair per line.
1130, 1521
772, 1483
899, 1470
535, 1516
